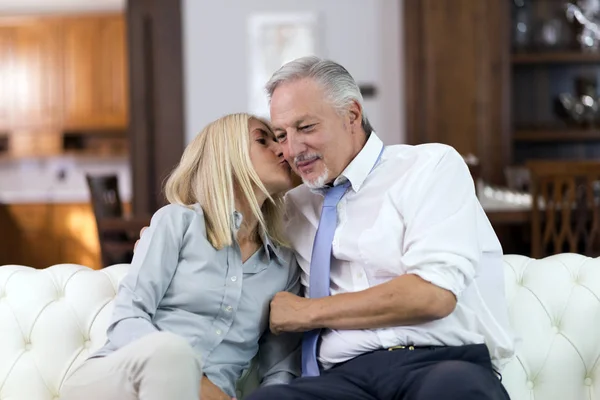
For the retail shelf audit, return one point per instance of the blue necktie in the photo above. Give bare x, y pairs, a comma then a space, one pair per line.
320, 265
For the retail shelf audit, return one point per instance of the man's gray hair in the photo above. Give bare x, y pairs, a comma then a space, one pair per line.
337, 82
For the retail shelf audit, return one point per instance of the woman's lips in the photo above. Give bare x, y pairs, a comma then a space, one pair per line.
285, 165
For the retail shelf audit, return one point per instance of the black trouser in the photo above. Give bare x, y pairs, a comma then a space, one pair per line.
431, 373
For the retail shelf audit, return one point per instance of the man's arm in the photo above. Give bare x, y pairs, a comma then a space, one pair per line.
440, 255
406, 300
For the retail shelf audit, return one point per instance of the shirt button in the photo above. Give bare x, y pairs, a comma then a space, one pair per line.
228, 308
530, 385
219, 331
234, 278
359, 275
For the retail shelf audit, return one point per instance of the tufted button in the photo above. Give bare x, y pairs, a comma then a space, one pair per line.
27, 346
555, 329
87, 344
588, 381
529, 385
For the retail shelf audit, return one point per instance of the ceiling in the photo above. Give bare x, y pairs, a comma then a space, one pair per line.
12, 7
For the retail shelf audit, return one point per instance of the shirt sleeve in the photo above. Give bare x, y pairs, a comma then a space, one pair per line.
440, 209
150, 274
279, 355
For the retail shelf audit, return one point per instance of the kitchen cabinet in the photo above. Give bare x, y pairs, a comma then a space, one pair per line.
6, 68
62, 74
95, 69
36, 74
41, 235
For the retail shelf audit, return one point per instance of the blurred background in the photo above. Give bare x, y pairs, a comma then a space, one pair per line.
98, 98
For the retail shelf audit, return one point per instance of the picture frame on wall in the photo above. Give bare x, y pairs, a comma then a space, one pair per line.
275, 39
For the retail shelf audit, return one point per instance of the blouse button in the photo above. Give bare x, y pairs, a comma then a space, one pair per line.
234, 278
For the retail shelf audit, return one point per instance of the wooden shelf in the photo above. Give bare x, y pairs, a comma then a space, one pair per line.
555, 57
548, 135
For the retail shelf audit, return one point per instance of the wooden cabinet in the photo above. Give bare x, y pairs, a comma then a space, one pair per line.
61, 74
95, 85
36, 83
6, 71
40, 235
457, 68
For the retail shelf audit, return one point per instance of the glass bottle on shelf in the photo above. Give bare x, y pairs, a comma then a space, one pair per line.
521, 26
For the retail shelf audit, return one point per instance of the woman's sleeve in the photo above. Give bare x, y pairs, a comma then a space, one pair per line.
150, 274
279, 355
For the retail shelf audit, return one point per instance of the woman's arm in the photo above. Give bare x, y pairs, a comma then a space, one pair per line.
152, 268
279, 355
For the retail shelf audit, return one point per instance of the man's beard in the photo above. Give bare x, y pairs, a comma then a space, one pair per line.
318, 182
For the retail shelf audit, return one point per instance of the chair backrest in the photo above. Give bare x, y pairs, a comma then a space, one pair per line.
104, 190
115, 247
565, 208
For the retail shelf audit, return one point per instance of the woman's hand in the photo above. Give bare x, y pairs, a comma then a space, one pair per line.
210, 391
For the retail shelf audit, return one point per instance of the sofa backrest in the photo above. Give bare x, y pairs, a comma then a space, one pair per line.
554, 308
51, 319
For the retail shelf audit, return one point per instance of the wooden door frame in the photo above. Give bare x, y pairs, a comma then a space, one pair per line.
156, 97
494, 89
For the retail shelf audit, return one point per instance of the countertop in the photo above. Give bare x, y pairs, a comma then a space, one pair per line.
58, 180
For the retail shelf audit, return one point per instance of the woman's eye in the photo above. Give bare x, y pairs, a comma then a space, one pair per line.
261, 141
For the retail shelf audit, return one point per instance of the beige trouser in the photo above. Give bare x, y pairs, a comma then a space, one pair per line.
159, 366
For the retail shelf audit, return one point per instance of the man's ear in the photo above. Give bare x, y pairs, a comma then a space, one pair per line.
355, 114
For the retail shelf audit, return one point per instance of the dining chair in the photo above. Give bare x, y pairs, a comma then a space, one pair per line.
115, 246
565, 207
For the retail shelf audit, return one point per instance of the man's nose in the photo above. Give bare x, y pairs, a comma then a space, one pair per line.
294, 147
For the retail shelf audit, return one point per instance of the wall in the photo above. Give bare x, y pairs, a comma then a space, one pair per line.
362, 35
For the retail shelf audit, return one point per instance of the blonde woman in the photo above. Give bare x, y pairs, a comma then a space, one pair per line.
194, 305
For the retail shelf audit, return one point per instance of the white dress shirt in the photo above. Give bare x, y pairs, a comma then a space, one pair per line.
416, 213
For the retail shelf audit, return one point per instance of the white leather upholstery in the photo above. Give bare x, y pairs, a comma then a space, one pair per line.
51, 319
555, 311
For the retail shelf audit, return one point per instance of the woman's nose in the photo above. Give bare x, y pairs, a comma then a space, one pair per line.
277, 149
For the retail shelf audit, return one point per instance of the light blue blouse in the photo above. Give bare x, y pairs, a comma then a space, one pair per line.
178, 282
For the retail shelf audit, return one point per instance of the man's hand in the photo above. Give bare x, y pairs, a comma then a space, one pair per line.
290, 313
210, 391
137, 241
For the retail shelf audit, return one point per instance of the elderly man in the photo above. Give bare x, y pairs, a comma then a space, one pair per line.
402, 270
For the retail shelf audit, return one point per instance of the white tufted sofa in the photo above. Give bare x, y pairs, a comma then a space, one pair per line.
50, 320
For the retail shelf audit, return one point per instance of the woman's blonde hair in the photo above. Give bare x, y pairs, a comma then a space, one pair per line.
213, 164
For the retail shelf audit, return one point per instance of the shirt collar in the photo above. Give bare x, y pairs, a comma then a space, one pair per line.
270, 248
359, 168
